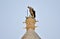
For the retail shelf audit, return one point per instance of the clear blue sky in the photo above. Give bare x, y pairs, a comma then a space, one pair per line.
13, 12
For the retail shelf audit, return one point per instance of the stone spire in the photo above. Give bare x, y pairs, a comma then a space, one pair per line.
30, 29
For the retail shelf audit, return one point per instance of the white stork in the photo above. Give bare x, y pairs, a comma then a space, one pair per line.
32, 12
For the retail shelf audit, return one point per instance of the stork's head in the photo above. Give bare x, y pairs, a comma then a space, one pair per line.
29, 7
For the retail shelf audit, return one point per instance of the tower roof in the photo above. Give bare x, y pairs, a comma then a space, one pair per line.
31, 34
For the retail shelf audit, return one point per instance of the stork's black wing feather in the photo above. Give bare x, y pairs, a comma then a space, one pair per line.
34, 13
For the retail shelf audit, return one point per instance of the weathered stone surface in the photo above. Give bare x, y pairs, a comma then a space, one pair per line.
31, 34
